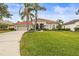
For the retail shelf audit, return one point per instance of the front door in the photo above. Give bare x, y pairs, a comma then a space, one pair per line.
37, 26
41, 26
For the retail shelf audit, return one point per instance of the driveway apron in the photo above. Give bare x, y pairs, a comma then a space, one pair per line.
10, 43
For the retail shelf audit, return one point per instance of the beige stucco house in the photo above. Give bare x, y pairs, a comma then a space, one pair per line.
72, 24
10, 25
41, 24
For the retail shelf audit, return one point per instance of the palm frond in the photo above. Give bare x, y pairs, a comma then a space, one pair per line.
77, 13
22, 17
31, 14
43, 8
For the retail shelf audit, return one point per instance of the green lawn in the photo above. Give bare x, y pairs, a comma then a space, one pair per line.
3, 31
50, 43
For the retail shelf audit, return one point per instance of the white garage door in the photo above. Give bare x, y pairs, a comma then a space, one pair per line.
22, 28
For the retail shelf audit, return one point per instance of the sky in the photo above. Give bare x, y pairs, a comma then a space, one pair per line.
54, 11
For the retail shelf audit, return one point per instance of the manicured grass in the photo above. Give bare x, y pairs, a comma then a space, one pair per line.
50, 43
3, 31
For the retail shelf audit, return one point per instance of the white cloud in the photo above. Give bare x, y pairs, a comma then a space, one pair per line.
64, 10
59, 10
65, 18
65, 13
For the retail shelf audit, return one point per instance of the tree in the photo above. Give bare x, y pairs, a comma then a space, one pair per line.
26, 12
37, 8
60, 24
4, 13
31, 17
77, 12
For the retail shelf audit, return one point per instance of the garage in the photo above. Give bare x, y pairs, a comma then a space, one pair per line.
22, 26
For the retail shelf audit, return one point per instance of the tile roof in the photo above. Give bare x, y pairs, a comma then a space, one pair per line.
24, 22
47, 21
71, 22
39, 20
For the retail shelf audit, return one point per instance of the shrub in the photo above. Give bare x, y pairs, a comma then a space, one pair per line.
64, 29
3, 26
61, 29
46, 29
76, 29
11, 29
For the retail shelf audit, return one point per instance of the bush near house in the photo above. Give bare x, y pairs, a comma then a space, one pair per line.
11, 29
3, 26
76, 29
57, 29
64, 29
46, 29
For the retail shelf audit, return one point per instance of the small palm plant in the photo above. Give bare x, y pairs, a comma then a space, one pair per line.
60, 23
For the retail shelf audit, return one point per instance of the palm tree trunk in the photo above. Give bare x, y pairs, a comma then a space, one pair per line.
27, 19
36, 20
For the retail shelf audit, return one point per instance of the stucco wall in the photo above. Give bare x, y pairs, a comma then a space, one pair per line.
47, 26
70, 26
50, 26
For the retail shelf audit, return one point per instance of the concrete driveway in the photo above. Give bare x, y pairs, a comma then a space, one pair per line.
10, 43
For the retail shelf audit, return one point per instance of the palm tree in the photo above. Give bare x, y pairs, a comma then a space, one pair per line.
31, 16
37, 8
26, 12
4, 13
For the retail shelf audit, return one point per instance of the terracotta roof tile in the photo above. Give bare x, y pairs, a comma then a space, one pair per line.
47, 21
23, 23
71, 22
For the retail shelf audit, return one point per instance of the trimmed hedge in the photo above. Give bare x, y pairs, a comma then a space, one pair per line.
57, 30
76, 29
3, 26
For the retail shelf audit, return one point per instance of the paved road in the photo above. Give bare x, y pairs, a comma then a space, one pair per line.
9, 43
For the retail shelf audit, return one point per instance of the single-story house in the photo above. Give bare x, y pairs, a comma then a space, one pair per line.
9, 24
46, 24
72, 24
41, 24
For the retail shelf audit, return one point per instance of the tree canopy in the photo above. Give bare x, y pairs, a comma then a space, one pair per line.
4, 13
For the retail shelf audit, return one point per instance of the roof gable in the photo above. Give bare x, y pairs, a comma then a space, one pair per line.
71, 22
